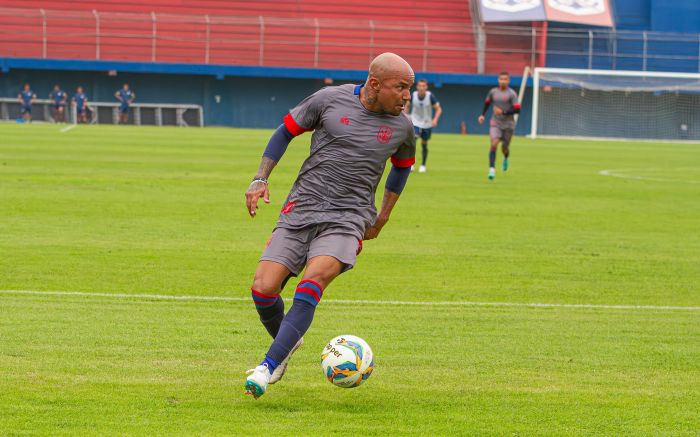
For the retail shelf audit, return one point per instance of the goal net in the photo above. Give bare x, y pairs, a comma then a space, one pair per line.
616, 104
153, 114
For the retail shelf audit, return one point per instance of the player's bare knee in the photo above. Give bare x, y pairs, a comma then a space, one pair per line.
323, 271
266, 284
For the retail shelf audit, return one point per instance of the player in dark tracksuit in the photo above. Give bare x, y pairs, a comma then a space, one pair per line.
80, 101
26, 98
330, 208
59, 98
505, 106
126, 97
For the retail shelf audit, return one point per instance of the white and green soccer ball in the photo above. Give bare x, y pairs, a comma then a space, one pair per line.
347, 361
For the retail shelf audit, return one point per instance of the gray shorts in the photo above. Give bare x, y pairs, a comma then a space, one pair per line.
504, 135
294, 247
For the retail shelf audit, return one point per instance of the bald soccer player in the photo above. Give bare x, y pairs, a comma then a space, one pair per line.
330, 208
505, 106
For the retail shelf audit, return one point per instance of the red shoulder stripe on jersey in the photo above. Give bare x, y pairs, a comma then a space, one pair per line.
487, 101
403, 163
292, 126
516, 106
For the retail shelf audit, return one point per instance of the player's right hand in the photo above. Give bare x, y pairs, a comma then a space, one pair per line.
481, 119
256, 190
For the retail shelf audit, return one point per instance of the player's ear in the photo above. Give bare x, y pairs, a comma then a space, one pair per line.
375, 84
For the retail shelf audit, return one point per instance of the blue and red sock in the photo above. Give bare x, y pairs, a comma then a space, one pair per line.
271, 310
492, 158
297, 321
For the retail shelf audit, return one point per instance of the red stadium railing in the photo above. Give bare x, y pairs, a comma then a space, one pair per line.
331, 43
231, 40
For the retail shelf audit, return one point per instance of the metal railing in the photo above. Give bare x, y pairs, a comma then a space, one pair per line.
108, 112
332, 43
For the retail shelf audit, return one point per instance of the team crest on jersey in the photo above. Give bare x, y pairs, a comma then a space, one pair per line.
345, 120
384, 134
511, 5
578, 7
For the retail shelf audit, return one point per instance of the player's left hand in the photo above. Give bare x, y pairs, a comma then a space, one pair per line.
433, 124
256, 190
373, 231
497, 110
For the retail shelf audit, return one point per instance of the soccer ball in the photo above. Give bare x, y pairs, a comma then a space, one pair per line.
347, 361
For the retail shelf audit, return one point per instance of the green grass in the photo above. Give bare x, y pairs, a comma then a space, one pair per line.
160, 210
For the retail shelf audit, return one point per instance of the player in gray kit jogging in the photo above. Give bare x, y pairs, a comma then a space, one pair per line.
505, 106
330, 208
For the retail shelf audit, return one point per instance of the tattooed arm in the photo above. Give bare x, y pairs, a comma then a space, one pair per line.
273, 153
258, 188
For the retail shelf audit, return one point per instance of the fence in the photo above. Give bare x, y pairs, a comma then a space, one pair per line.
330, 43
154, 114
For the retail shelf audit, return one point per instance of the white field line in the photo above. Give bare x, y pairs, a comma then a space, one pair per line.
621, 174
67, 128
356, 301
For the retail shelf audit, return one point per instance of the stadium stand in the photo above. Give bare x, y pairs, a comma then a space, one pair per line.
432, 35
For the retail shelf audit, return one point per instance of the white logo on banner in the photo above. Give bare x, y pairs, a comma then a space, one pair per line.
578, 7
511, 5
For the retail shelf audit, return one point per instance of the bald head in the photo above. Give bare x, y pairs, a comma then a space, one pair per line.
388, 84
389, 64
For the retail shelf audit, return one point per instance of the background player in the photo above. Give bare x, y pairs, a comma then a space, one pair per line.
502, 124
80, 101
330, 208
422, 104
59, 98
126, 97
26, 98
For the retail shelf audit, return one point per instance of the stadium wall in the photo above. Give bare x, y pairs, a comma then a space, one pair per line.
652, 35
251, 98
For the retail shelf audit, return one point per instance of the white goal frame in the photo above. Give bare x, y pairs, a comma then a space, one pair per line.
620, 73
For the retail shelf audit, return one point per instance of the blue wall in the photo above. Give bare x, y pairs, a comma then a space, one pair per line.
673, 44
632, 14
675, 16
244, 101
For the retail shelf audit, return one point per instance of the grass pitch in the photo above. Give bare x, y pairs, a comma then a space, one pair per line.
125, 210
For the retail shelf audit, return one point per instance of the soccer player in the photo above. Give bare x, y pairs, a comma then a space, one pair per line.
80, 101
422, 104
59, 104
505, 106
330, 208
126, 97
26, 98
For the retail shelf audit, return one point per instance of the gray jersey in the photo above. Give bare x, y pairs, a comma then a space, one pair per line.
506, 100
349, 150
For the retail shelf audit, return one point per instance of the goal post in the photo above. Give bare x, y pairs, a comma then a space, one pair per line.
527, 72
615, 104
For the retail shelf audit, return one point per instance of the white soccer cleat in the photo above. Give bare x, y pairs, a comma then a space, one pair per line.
492, 173
256, 384
279, 371
422, 169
